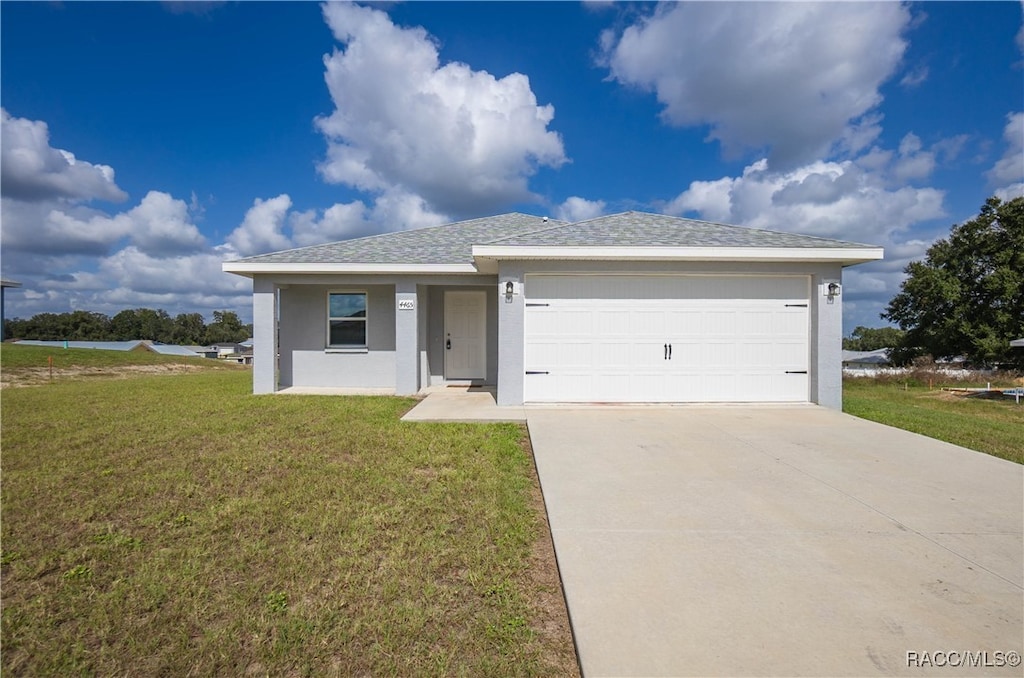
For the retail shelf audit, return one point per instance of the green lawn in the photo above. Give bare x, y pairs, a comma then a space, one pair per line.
177, 525
992, 426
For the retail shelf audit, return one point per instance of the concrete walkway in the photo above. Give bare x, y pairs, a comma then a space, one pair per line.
741, 541
463, 404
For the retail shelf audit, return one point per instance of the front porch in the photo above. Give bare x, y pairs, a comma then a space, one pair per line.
404, 336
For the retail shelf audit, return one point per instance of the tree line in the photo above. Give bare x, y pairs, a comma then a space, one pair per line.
188, 329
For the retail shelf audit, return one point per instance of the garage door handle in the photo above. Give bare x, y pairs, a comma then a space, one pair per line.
796, 371
537, 372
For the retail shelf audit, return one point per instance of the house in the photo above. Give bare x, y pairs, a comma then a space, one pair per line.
1017, 343
226, 348
632, 307
865, 360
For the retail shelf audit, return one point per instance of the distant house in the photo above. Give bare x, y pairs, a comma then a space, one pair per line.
865, 360
226, 348
135, 345
1017, 343
205, 351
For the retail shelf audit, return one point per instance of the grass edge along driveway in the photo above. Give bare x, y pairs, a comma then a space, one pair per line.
179, 525
992, 426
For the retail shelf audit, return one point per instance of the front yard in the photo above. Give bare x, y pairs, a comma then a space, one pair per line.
994, 426
176, 525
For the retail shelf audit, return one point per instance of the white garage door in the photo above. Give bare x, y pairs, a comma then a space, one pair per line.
666, 338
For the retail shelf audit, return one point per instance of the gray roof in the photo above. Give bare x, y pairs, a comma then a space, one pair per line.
448, 244
453, 243
877, 357
641, 229
100, 345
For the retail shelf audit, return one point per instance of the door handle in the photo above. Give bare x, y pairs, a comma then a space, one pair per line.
665, 354
670, 351
448, 344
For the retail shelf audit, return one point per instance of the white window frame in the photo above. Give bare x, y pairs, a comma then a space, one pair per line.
365, 319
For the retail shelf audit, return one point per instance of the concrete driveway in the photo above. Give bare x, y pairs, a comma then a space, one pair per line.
751, 541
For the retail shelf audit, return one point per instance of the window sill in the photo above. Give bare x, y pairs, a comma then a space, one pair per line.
354, 349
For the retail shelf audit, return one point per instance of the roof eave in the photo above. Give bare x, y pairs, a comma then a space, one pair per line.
847, 256
251, 268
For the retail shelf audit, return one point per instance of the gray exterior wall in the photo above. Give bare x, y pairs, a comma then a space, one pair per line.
825, 360
305, 360
405, 347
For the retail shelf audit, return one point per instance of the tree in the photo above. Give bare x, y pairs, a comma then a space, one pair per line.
226, 327
125, 326
872, 339
967, 296
189, 329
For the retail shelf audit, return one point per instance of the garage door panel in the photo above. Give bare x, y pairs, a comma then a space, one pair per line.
733, 338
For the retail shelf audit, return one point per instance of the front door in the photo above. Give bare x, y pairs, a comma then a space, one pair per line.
465, 335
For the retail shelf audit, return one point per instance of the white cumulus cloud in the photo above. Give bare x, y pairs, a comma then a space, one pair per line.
1008, 172
404, 124
32, 170
579, 209
262, 230
793, 78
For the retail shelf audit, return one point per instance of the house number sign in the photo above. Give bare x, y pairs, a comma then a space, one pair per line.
406, 304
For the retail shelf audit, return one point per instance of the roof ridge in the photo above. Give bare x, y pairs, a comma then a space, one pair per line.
386, 234
555, 223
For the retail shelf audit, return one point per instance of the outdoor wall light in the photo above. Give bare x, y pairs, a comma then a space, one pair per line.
510, 289
833, 290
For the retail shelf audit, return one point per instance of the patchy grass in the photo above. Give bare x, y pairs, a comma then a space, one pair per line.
177, 525
993, 426
30, 366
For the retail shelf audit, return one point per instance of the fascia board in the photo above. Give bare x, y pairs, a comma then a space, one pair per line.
250, 268
846, 255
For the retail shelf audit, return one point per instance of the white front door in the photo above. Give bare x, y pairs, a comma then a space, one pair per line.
465, 335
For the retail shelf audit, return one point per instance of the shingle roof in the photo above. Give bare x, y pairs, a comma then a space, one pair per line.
641, 229
448, 244
453, 243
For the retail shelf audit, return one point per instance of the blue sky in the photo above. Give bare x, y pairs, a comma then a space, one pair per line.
145, 143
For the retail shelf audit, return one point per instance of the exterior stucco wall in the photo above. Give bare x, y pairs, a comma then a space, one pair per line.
305, 360
825, 359
405, 347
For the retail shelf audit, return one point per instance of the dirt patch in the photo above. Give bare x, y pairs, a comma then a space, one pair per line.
551, 619
39, 376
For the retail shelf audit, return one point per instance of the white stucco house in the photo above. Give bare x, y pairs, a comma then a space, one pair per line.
632, 307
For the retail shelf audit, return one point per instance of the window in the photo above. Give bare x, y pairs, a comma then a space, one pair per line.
346, 319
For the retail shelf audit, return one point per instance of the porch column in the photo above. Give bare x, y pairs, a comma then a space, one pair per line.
511, 316
407, 352
264, 334
827, 341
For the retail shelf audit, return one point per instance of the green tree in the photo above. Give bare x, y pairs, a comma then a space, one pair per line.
125, 326
155, 325
226, 327
189, 329
967, 296
872, 339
